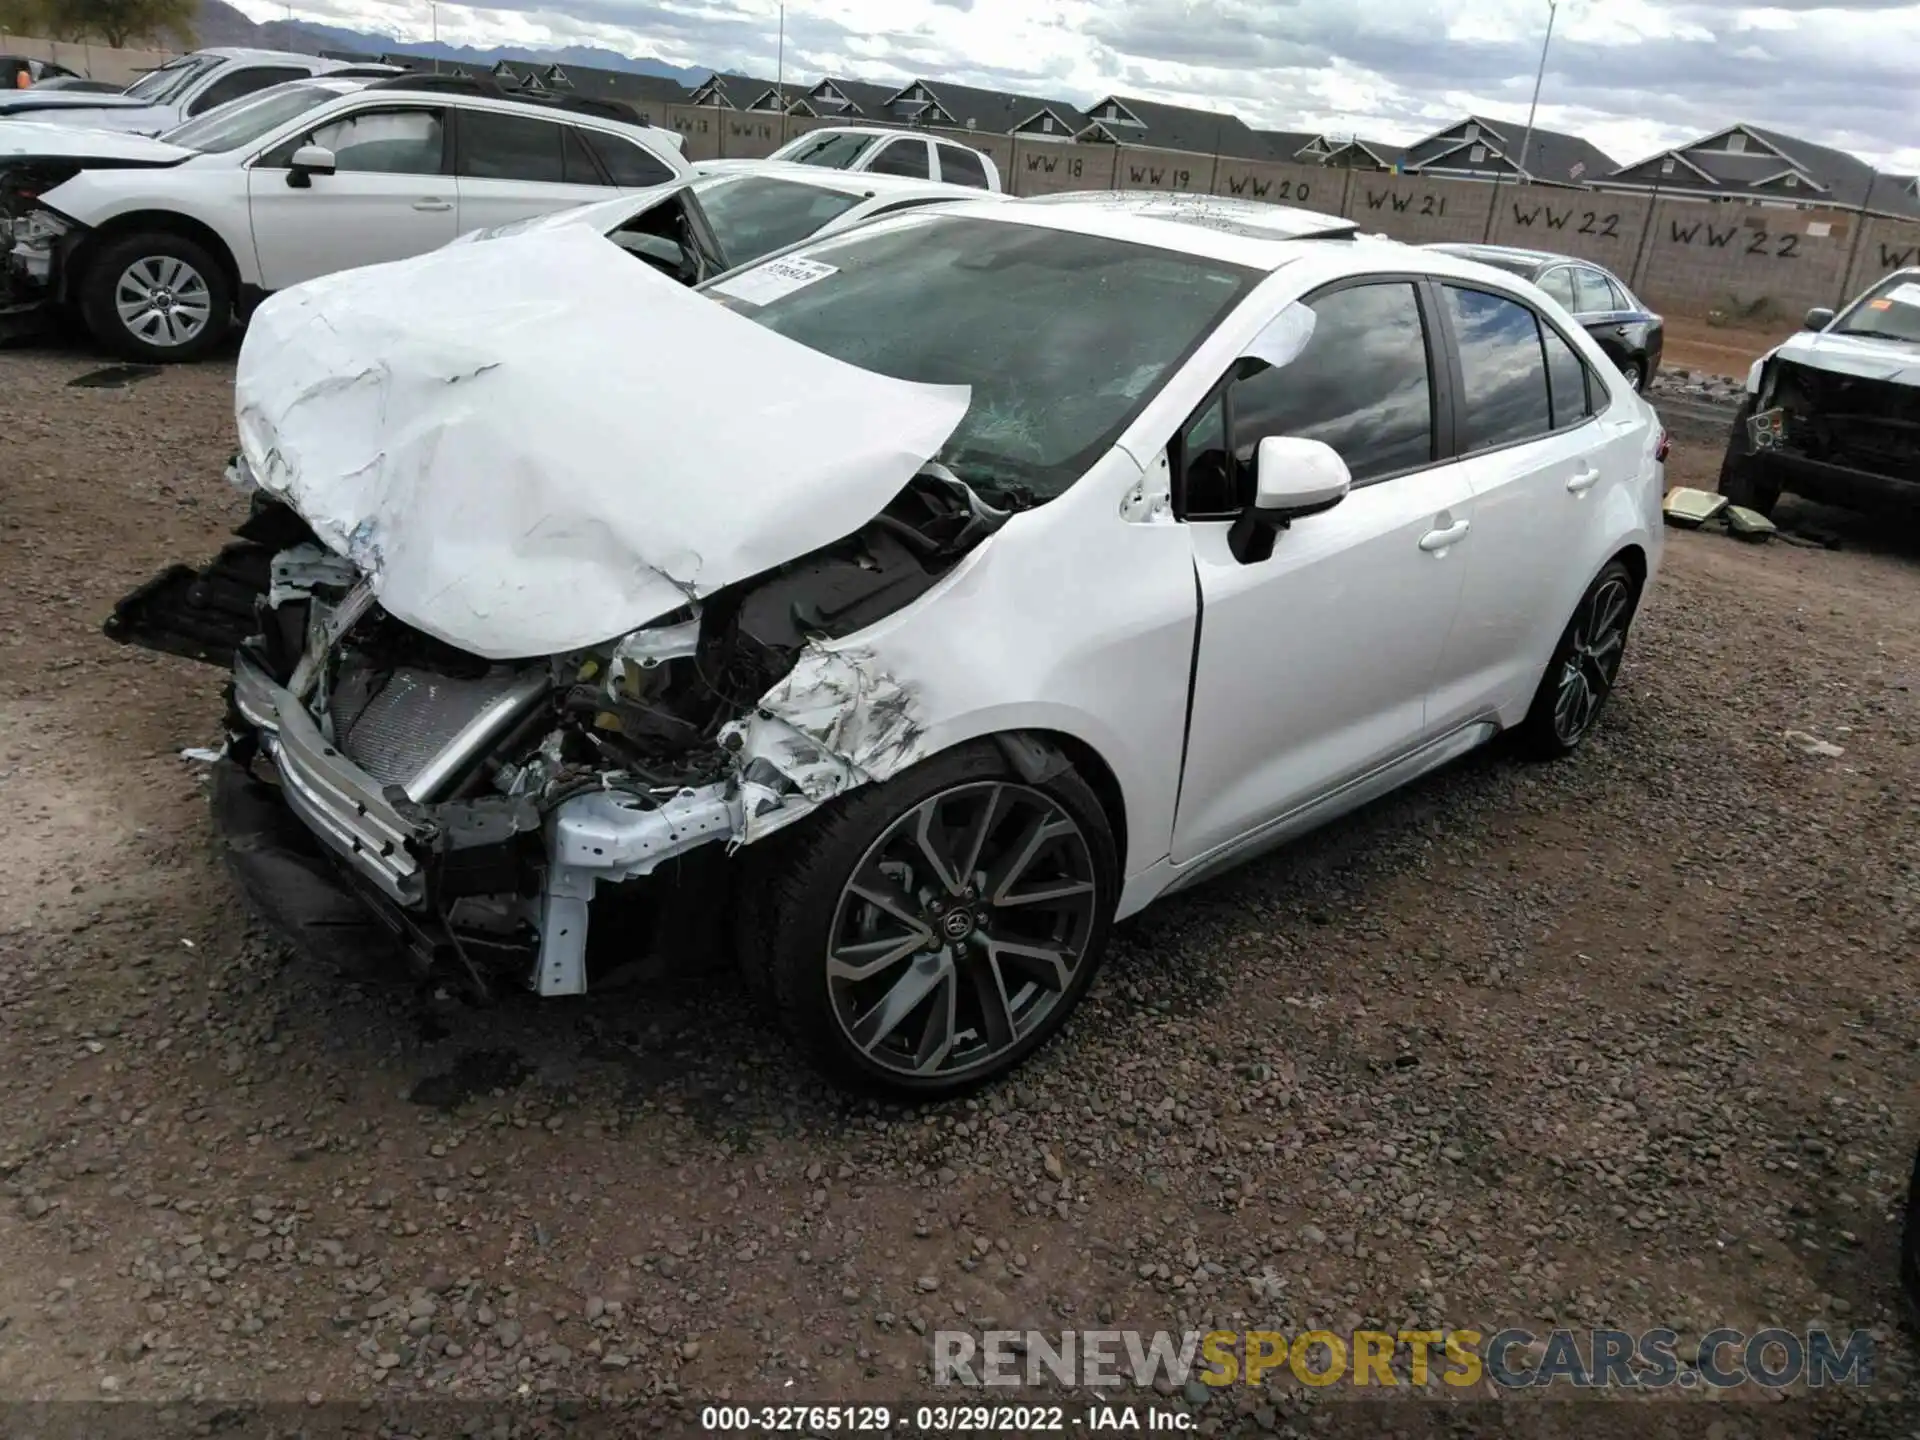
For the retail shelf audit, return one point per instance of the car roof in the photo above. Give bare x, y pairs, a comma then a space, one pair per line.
248, 52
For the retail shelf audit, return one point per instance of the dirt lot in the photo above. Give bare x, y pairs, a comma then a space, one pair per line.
1705, 349
1631, 1040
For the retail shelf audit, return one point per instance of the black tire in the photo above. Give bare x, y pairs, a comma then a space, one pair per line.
203, 286
1543, 735
796, 893
1740, 478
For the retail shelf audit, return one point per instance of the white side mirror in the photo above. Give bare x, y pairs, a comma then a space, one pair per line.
308, 161
1292, 478
1296, 477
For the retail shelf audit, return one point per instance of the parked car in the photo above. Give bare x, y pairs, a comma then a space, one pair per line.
177, 91
878, 151
695, 229
22, 72
956, 585
1631, 334
1834, 412
162, 244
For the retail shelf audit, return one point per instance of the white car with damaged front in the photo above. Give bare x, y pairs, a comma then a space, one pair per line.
956, 586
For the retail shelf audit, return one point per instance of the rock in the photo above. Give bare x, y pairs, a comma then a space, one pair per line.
928, 1282
1051, 1162
1813, 744
507, 1334
613, 1360
35, 1206
690, 1350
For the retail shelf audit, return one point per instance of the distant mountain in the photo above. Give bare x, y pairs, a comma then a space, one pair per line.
220, 24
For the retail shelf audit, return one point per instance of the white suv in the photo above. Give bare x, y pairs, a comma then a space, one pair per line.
160, 243
874, 150
178, 91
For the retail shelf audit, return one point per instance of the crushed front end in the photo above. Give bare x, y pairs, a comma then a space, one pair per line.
476, 810
1837, 438
35, 242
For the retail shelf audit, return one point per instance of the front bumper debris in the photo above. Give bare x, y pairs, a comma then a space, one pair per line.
423, 857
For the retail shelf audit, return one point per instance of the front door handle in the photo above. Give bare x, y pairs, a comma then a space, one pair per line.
1435, 540
433, 204
1583, 481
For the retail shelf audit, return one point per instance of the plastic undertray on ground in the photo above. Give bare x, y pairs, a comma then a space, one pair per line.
1691, 508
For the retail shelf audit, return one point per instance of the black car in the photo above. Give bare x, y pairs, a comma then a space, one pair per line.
1630, 333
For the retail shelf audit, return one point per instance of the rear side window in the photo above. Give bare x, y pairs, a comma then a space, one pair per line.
511, 147
234, 84
633, 167
902, 157
1566, 380
1590, 288
1559, 284
959, 166
1503, 370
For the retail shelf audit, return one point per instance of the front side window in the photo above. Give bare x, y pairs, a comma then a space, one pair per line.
1062, 337
961, 166
828, 150
1502, 369
409, 141
234, 84
752, 215
244, 123
1590, 289
495, 146
1362, 386
902, 157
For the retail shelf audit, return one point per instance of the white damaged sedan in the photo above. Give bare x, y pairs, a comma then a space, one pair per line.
948, 590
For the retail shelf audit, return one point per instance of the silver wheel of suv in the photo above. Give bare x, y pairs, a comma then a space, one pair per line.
163, 301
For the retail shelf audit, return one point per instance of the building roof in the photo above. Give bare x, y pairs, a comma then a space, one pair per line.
1132, 121
865, 100
1769, 164
734, 91
1551, 157
971, 107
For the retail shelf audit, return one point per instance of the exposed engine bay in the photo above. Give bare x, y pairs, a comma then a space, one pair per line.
480, 805
29, 233
1850, 421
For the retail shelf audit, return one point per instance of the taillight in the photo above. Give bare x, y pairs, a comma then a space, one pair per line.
1661, 447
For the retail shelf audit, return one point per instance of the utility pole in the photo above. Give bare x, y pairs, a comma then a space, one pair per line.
434, 7
1553, 8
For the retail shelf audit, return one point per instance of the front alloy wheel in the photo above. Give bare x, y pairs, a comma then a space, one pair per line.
158, 297
929, 932
961, 929
1584, 667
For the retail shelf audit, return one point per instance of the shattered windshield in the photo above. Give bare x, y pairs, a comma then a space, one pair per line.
1890, 312
1063, 337
228, 127
156, 87
830, 151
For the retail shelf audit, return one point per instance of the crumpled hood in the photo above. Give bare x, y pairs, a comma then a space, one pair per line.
541, 443
1850, 355
33, 139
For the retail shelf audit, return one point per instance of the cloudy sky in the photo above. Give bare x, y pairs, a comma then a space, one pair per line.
1632, 75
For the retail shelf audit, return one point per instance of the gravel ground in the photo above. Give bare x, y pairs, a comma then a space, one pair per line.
1630, 1040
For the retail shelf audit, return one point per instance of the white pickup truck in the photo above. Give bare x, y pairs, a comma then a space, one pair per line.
176, 92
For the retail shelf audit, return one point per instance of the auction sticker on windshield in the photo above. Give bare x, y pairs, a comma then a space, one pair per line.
775, 279
1908, 294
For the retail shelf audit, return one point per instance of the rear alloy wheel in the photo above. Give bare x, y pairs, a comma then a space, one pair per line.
931, 932
1584, 667
1636, 374
157, 297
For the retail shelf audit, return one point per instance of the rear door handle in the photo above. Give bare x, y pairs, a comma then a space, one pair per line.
433, 204
1584, 481
1440, 539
